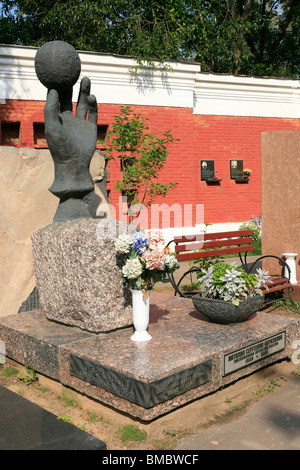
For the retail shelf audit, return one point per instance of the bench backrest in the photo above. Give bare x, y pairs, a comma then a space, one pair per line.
212, 244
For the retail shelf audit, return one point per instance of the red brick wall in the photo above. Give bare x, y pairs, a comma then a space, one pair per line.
201, 137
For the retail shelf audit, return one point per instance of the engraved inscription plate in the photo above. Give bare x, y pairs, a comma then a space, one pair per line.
146, 394
254, 352
236, 169
207, 170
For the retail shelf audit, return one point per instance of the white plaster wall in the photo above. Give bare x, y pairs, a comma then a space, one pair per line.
247, 96
114, 81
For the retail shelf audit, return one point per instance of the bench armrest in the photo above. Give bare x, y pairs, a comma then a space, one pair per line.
272, 256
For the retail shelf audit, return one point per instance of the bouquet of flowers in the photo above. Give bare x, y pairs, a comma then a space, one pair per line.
146, 259
226, 282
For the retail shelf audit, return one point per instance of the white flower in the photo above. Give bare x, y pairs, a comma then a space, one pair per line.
123, 243
132, 269
170, 261
262, 278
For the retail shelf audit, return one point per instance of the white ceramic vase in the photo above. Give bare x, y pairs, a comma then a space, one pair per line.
140, 314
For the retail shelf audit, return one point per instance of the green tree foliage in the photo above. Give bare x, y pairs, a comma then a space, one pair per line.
251, 37
141, 156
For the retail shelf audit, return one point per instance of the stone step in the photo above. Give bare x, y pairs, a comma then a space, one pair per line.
187, 358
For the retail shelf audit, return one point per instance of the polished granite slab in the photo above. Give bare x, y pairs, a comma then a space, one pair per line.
26, 426
188, 357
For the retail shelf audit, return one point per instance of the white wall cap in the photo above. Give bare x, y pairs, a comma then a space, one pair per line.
115, 81
247, 96
113, 78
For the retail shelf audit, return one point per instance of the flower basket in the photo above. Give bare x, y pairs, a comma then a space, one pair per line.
224, 313
229, 294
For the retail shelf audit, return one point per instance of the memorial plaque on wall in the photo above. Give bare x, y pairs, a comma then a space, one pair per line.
207, 170
254, 352
236, 169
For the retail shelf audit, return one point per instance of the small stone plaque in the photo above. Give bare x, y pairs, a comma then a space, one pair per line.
145, 394
236, 169
254, 352
207, 170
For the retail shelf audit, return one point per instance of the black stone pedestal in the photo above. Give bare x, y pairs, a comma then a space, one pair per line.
26, 426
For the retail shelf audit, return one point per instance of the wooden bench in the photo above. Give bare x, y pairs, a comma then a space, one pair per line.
196, 247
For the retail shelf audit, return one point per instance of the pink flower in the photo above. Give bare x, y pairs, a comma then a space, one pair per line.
154, 259
156, 240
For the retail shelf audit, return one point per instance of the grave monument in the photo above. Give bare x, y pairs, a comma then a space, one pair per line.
80, 285
75, 264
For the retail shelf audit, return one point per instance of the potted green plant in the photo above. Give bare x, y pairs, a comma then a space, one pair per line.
228, 294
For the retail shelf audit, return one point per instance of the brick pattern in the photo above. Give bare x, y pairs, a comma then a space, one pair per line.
201, 137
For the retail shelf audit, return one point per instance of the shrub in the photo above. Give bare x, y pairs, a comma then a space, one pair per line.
255, 225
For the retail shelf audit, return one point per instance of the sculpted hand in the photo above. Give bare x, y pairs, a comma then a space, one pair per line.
71, 140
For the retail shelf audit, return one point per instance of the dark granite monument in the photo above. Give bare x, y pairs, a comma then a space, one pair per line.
71, 139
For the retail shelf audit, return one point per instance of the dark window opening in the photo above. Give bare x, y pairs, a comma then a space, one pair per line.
39, 134
10, 133
101, 134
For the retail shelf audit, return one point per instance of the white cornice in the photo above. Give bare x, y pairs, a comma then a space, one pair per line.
247, 96
115, 81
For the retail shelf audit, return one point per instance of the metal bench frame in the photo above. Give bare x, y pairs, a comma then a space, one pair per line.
193, 247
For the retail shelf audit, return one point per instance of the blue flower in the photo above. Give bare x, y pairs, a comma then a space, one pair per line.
140, 243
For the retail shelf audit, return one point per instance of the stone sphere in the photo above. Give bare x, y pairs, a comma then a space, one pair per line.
57, 65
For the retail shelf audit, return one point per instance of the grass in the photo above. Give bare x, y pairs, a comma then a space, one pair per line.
257, 248
296, 372
269, 388
289, 306
190, 287
10, 372
67, 419
69, 400
93, 417
132, 433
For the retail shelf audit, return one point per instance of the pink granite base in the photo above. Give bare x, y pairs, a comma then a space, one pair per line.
168, 366
78, 274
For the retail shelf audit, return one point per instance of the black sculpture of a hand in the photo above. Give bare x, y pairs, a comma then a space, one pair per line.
71, 139
72, 143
